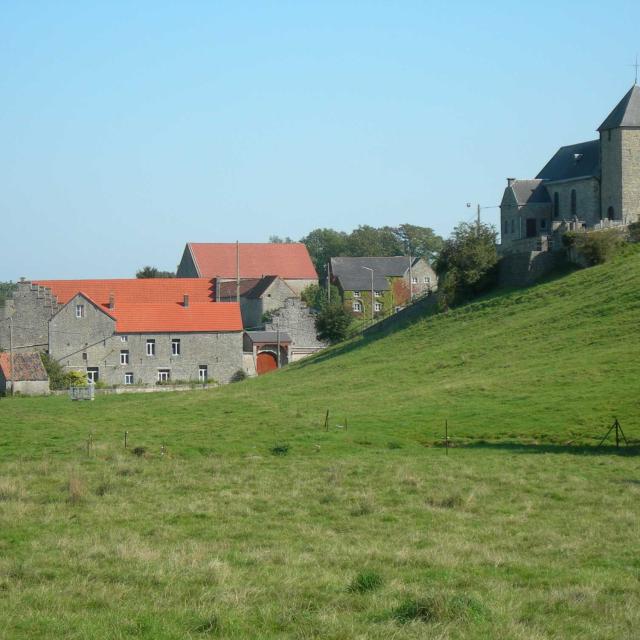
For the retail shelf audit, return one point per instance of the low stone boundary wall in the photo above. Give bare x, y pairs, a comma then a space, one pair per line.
155, 389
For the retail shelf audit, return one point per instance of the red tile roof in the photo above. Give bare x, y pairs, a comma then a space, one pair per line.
154, 305
26, 366
287, 260
133, 289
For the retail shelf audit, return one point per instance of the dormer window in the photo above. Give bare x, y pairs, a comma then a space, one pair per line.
79, 311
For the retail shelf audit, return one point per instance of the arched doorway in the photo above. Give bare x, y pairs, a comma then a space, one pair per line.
267, 361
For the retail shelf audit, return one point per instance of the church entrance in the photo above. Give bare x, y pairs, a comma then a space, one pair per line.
532, 230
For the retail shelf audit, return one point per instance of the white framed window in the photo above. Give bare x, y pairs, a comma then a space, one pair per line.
79, 311
124, 357
123, 338
357, 306
175, 347
151, 348
377, 294
128, 378
427, 279
377, 306
414, 279
203, 373
93, 374
164, 375
356, 294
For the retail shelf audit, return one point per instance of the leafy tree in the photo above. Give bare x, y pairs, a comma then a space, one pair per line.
467, 263
421, 242
154, 272
58, 377
369, 241
333, 321
6, 289
279, 240
324, 244
315, 296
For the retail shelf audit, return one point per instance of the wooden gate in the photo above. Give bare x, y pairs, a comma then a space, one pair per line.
267, 361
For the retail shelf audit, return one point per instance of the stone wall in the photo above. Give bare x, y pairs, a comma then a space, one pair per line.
524, 268
587, 201
299, 285
30, 308
630, 142
513, 226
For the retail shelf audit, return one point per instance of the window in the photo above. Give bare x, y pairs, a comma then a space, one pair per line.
611, 213
356, 294
164, 375
414, 280
574, 202
151, 347
357, 306
506, 226
124, 357
79, 311
175, 347
92, 375
556, 204
377, 306
203, 373
513, 225
543, 224
123, 338
128, 378
84, 355
377, 294
427, 279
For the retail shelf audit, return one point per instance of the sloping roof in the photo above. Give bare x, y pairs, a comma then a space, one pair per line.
354, 275
287, 260
573, 161
228, 288
199, 317
626, 113
133, 289
268, 336
26, 366
530, 192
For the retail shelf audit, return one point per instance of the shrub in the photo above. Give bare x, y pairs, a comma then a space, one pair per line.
597, 247
427, 609
74, 379
365, 581
280, 449
332, 323
634, 232
139, 451
239, 376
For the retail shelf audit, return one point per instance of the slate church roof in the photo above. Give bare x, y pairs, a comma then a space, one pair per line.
573, 161
626, 113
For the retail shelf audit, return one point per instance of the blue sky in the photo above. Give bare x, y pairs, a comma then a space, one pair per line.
128, 129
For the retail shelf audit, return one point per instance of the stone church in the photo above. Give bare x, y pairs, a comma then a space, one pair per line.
589, 185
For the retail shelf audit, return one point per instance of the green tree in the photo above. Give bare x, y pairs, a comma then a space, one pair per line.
315, 296
154, 272
324, 244
467, 263
279, 240
369, 241
333, 321
421, 242
6, 289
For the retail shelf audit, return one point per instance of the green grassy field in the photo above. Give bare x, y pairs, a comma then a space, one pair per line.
524, 530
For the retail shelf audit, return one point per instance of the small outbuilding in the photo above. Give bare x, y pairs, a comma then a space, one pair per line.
23, 373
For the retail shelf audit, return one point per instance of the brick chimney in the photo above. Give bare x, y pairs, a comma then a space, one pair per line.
112, 301
185, 301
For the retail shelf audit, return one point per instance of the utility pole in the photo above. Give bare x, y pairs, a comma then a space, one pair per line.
237, 271
370, 269
410, 279
478, 219
329, 282
11, 351
278, 339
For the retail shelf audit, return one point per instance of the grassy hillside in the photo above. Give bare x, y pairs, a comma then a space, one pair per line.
369, 531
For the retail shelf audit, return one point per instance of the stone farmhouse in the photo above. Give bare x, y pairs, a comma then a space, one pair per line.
230, 261
589, 185
387, 283
23, 373
128, 332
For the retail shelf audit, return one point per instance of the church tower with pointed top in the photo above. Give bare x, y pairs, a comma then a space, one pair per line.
620, 160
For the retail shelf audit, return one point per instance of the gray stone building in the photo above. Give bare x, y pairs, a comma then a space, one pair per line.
131, 332
590, 185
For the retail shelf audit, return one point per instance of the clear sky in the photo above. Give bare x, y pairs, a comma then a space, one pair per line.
128, 129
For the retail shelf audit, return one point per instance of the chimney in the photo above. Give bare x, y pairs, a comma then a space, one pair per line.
112, 301
510, 181
185, 301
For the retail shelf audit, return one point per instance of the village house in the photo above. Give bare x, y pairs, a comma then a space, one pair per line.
589, 185
23, 373
232, 261
130, 332
384, 283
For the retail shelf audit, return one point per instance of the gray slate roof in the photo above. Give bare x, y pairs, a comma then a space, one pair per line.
626, 113
573, 161
268, 336
530, 192
353, 277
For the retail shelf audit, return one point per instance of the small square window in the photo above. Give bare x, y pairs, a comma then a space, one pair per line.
356, 294
84, 355
124, 357
377, 294
123, 338
414, 280
377, 306
79, 311
128, 378
543, 224
151, 348
427, 279
175, 347
357, 306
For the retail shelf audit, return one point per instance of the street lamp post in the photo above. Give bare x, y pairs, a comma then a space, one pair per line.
370, 269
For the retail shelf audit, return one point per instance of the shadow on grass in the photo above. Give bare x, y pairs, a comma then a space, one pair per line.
574, 449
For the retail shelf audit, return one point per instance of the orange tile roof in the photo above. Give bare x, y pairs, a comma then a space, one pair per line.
133, 289
26, 365
287, 260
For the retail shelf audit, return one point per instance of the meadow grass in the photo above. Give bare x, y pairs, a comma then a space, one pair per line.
258, 523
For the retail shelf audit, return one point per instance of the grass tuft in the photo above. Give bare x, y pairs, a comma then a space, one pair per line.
280, 449
365, 581
75, 489
208, 626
